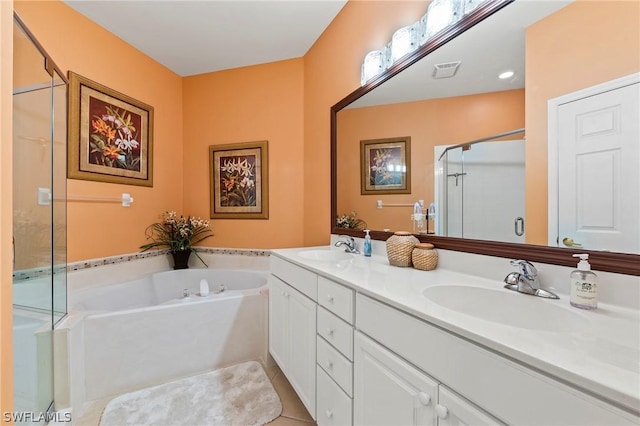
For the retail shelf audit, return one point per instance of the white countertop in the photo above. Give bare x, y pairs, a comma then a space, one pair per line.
597, 351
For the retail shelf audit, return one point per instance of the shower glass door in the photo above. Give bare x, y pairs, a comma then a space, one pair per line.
39, 221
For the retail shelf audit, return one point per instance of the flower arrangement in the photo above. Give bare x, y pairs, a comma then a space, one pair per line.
177, 233
350, 221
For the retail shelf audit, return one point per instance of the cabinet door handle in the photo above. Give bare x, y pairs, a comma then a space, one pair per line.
330, 365
330, 298
424, 398
330, 331
329, 413
442, 411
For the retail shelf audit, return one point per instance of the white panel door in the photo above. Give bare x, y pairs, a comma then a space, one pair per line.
389, 391
599, 171
301, 367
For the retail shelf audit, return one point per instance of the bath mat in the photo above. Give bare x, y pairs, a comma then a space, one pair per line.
237, 395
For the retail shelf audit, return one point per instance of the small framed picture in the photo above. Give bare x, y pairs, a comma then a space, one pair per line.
110, 135
239, 180
385, 166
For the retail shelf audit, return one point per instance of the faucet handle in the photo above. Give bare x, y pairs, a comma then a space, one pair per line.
526, 268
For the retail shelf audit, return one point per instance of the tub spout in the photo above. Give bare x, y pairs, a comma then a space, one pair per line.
186, 293
221, 288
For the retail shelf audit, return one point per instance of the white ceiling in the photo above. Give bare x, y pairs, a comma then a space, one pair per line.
195, 37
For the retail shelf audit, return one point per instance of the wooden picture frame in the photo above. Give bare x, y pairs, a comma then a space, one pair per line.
110, 135
239, 180
385, 166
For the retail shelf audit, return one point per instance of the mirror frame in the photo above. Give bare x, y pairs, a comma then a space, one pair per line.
624, 263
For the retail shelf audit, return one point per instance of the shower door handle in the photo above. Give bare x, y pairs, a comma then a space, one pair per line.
518, 225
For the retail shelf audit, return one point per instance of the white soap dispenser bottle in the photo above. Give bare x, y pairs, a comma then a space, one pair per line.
584, 285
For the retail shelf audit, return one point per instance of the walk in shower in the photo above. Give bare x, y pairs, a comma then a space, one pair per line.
39, 219
480, 188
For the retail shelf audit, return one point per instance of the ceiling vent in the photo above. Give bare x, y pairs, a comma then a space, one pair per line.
446, 70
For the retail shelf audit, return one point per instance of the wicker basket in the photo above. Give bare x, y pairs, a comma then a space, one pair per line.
424, 257
399, 248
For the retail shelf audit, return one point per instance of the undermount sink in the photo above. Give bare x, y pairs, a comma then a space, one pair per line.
325, 255
506, 307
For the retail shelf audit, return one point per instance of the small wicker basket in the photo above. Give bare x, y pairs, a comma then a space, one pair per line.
424, 257
399, 248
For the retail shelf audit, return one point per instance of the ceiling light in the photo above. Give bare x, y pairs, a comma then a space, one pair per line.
506, 74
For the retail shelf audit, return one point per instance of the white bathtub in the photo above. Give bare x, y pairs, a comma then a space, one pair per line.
141, 333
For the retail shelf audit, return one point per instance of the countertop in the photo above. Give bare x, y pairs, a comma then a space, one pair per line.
597, 351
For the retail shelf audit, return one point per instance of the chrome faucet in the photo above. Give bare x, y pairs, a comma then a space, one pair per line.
350, 244
526, 280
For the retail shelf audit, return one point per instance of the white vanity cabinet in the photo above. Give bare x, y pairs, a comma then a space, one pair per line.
388, 390
292, 329
486, 384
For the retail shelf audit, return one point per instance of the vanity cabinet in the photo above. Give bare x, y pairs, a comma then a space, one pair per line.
292, 338
388, 390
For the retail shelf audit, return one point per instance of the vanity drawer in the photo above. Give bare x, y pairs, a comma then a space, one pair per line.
306, 282
336, 332
335, 365
336, 298
334, 407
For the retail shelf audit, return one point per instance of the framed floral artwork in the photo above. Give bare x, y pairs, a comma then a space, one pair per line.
239, 180
110, 135
385, 166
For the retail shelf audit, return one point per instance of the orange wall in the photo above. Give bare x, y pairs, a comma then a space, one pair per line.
77, 44
6, 205
331, 72
262, 102
584, 44
446, 121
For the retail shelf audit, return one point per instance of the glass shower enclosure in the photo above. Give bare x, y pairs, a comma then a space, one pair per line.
39, 219
480, 190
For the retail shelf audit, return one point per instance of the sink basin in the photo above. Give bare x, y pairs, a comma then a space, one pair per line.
325, 255
506, 307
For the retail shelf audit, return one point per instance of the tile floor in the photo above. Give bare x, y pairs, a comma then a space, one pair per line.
294, 412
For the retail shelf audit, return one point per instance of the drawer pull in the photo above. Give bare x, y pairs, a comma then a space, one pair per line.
330, 298
330, 331
330, 365
424, 398
442, 411
329, 414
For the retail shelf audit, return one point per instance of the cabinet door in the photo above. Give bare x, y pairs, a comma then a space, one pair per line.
453, 410
301, 339
389, 391
278, 313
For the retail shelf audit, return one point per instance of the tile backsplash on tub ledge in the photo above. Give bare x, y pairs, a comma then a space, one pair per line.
126, 267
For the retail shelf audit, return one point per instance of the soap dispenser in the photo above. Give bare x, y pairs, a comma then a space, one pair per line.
367, 243
584, 285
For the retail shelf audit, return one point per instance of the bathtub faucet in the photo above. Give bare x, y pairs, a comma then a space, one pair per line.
186, 293
221, 288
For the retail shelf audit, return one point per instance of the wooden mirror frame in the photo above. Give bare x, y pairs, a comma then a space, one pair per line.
624, 263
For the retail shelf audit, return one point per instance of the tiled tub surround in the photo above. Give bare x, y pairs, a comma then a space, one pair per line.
128, 326
600, 356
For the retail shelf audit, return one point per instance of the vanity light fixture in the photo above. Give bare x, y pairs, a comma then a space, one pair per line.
374, 64
506, 74
403, 41
440, 15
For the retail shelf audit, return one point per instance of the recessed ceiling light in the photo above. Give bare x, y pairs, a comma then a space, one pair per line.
506, 74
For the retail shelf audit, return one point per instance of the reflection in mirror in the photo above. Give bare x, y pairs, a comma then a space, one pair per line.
568, 46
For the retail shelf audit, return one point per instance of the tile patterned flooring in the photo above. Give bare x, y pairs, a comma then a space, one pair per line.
294, 412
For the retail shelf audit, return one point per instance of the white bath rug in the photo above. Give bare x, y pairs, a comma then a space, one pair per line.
238, 395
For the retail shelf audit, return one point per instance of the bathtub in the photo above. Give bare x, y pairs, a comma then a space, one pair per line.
144, 332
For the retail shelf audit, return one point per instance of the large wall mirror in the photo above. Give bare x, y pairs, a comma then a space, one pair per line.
492, 167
